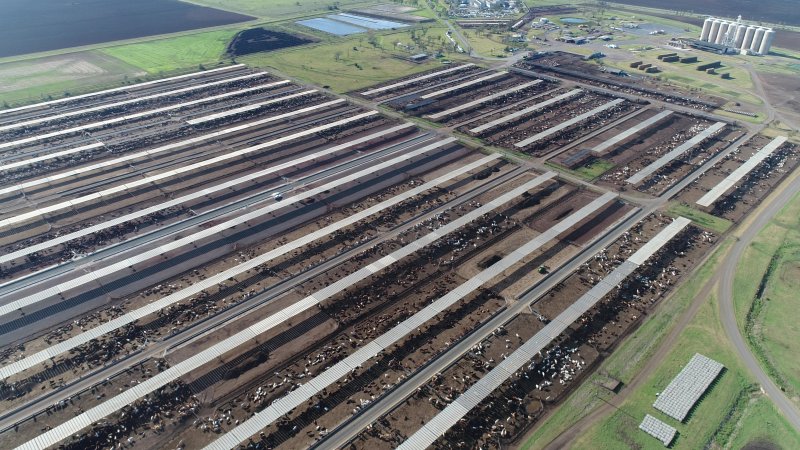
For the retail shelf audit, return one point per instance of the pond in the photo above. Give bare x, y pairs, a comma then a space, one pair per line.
345, 24
573, 20
331, 26
35, 26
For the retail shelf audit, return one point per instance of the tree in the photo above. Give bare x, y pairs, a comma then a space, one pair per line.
337, 55
373, 39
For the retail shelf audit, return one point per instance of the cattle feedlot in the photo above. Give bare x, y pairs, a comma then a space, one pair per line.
235, 258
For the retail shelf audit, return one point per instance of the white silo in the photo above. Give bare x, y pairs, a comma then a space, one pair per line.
766, 43
723, 28
712, 35
706, 29
748, 37
756, 44
740, 30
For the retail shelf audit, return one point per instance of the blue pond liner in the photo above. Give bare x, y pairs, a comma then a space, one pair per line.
573, 20
367, 22
331, 26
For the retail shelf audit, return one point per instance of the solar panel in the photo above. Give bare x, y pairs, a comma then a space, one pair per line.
683, 392
658, 429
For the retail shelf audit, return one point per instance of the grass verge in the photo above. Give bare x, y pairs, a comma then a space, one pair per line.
700, 218
765, 297
714, 418
588, 172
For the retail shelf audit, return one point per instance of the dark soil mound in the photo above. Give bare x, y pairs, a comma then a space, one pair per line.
761, 445
257, 40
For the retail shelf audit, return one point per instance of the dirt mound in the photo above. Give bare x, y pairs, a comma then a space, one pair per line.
761, 445
257, 40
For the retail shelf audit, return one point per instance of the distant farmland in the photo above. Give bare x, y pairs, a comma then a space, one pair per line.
35, 26
773, 11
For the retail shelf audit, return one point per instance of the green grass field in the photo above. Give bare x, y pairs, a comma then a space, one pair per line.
487, 43
757, 423
588, 172
768, 322
56, 76
170, 54
715, 418
595, 168
352, 63
703, 219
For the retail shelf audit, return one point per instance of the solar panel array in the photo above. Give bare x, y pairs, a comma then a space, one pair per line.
525, 111
416, 80
677, 151
146, 180
212, 281
199, 194
463, 85
120, 89
482, 100
658, 429
635, 130
731, 180
112, 405
681, 394
139, 115
569, 123
479, 391
283, 405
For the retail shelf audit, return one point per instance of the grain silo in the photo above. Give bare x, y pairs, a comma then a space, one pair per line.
706, 29
723, 28
748, 37
712, 35
757, 38
766, 43
740, 31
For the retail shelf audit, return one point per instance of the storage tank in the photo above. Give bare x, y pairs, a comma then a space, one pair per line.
723, 28
757, 38
766, 43
740, 30
706, 29
748, 37
714, 29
